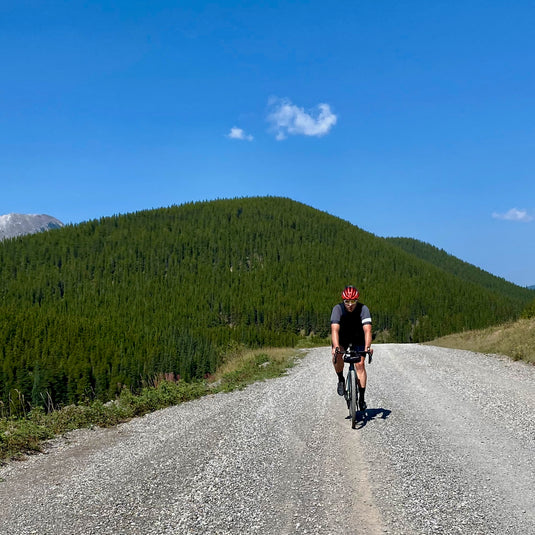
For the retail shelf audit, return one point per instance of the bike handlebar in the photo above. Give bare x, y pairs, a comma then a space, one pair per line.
350, 354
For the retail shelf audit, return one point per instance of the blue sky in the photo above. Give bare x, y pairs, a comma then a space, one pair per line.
410, 118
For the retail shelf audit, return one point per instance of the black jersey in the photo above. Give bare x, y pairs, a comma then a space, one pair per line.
351, 324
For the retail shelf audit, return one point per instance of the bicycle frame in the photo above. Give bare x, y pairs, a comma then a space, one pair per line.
352, 356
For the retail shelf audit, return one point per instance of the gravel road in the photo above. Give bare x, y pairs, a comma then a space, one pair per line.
447, 447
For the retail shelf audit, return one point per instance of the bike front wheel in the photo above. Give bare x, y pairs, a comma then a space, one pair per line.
352, 396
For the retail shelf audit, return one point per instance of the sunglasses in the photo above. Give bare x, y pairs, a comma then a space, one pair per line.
350, 301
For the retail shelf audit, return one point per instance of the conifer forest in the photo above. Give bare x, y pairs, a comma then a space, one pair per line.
89, 309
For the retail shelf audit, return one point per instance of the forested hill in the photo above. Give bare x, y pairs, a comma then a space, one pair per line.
461, 269
89, 308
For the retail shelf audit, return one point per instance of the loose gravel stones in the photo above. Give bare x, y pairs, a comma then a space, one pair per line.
446, 447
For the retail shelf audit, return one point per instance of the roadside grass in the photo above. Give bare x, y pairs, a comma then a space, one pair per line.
20, 436
515, 340
246, 367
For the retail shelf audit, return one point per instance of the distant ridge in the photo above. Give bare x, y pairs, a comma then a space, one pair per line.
463, 270
13, 225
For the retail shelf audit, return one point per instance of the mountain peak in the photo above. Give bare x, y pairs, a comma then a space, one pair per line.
12, 225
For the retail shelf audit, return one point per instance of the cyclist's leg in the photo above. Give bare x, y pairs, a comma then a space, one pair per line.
339, 365
362, 376
339, 369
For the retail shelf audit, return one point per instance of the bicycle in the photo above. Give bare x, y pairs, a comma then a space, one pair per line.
351, 393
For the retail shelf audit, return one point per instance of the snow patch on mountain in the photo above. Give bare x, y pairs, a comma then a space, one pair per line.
12, 225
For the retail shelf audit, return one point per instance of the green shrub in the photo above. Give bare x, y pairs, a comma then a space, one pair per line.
23, 435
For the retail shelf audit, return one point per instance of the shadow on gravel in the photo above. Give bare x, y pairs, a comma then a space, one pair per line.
369, 415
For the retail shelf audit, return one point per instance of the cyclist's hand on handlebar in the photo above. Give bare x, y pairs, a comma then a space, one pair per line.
335, 351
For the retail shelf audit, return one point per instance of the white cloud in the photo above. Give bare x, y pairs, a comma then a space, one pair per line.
286, 118
514, 214
238, 133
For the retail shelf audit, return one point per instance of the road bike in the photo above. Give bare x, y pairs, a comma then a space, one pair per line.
351, 394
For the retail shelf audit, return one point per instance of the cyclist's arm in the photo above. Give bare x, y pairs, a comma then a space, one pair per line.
335, 337
368, 337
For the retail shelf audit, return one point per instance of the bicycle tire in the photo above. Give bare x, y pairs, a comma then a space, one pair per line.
352, 383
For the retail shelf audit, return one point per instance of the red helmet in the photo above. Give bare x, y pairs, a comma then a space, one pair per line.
350, 292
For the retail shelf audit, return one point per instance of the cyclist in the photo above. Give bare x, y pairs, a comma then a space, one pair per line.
351, 323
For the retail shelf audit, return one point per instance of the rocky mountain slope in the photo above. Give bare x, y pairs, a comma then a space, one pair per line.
12, 225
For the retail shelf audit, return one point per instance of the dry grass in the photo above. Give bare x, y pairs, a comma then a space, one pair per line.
515, 340
244, 366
